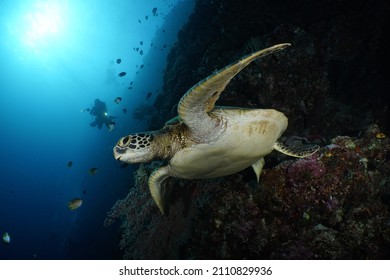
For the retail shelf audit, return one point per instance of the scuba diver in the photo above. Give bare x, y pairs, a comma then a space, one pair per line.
99, 111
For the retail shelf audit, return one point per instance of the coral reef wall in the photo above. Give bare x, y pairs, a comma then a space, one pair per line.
334, 75
332, 84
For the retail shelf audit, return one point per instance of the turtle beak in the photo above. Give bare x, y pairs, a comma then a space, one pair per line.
118, 152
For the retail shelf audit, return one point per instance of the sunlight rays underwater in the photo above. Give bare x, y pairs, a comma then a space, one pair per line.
55, 61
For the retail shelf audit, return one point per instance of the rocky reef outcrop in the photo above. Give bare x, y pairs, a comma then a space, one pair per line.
332, 85
331, 205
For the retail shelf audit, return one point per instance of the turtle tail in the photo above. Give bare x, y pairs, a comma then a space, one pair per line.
301, 151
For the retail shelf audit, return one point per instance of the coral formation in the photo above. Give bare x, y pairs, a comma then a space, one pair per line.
333, 205
331, 82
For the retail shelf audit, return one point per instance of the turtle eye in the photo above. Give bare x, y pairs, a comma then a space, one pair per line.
124, 141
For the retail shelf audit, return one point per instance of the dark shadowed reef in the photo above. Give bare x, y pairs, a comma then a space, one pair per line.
332, 84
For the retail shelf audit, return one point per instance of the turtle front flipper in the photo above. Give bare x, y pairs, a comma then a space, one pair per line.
198, 101
301, 151
158, 188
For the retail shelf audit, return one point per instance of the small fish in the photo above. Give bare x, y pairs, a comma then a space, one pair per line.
142, 66
6, 238
380, 135
146, 17
121, 74
149, 95
139, 21
131, 83
69, 164
92, 171
74, 203
141, 52
141, 43
130, 88
124, 110
154, 11
118, 61
118, 100
111, 126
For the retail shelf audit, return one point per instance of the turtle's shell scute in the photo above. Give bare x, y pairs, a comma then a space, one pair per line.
250, 134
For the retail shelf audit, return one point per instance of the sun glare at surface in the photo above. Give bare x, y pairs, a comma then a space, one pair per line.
45, 21
39, 24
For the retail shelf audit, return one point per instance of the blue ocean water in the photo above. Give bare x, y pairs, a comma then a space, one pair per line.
56, 58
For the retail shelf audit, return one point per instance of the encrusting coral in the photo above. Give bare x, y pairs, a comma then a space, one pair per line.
329, 206
332, 205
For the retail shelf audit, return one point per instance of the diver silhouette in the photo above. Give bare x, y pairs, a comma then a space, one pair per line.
99, 111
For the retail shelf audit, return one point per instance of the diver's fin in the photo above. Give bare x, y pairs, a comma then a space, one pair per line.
159, 191
300, 151
257, 167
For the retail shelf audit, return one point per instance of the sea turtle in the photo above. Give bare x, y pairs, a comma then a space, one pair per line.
205, 141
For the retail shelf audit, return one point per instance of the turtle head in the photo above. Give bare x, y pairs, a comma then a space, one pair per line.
135, 148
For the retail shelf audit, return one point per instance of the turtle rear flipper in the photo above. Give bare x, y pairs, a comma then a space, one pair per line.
300, 151
258, 167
